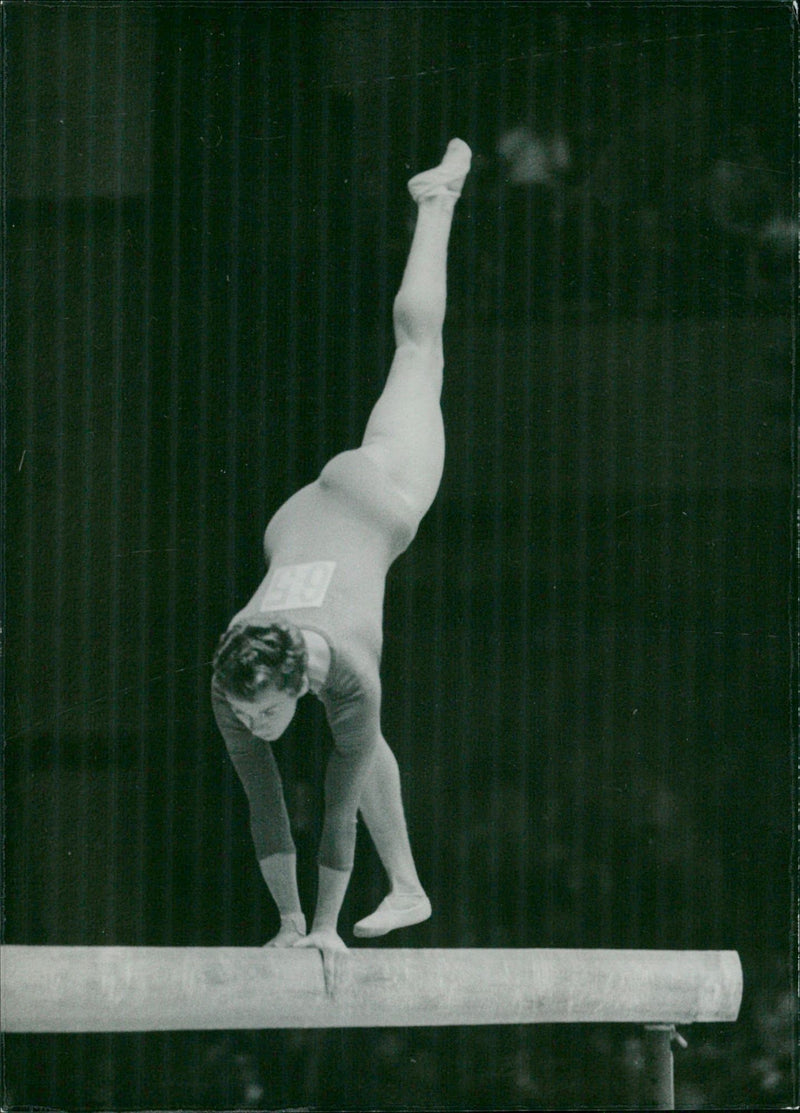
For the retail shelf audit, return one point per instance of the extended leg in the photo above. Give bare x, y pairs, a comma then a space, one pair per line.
405, 434
405, 437
381, 806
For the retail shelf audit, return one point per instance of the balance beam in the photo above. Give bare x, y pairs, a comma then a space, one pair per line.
138, 989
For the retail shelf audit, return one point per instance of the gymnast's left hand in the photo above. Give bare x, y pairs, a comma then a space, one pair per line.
331, 947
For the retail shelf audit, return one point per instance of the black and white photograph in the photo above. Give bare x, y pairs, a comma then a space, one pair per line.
399, 556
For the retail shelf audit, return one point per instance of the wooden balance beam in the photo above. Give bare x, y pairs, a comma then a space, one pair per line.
136, 989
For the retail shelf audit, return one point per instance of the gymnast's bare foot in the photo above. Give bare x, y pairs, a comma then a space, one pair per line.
445, 179
395, 911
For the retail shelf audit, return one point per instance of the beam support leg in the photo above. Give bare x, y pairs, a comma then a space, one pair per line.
658, 1081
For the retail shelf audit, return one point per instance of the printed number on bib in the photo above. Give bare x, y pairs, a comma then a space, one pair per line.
298, 585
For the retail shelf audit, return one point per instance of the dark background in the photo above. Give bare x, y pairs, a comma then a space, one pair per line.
587, 666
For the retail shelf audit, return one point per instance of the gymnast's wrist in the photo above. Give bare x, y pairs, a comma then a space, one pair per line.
295, 921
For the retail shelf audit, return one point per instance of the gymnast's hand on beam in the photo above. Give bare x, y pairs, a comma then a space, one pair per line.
288, 935
328, 943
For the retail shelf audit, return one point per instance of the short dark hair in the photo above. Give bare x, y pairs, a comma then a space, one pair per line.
251, 659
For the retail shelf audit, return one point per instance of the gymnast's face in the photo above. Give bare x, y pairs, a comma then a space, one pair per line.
269, 714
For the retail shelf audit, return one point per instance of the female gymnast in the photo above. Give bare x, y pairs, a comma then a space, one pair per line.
315, 622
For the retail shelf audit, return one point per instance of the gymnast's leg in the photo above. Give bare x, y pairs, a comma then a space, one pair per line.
405, 437
381, 807
405, 434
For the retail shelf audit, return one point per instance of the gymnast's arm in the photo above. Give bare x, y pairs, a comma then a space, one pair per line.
258, 772
354, 719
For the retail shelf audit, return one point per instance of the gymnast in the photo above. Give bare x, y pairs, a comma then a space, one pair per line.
315, 622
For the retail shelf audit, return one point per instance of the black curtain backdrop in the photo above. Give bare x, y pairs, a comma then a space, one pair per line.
587, 663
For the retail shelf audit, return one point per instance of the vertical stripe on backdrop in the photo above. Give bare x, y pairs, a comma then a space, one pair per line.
499, 724
172, 426
666, 746
54, 912
527, 725
268, 244
571, 504
584, 878
695, 631
141, 560
354, 322
201, 481
464, 619
87, 689
27, 693
295, 383
614, 635
173, 350
144, 534
724, 680
387, 166
86, 633
640, 716
495, 822
523, 926
118, 291
323, 272
233, 425
59, 578
557, 731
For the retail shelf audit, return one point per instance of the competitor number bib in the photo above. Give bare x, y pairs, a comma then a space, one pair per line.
298, 585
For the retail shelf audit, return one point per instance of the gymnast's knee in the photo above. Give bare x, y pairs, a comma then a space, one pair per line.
338, 841
418, 320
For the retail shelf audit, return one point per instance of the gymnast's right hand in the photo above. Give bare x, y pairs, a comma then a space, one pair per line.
293, 929
331, 947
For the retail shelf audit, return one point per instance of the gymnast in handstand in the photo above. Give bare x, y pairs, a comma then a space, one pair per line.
315, 622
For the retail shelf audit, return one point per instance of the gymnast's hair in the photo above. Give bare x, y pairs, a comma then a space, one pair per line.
251, 659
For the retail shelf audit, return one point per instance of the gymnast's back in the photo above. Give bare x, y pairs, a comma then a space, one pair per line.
328, 549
